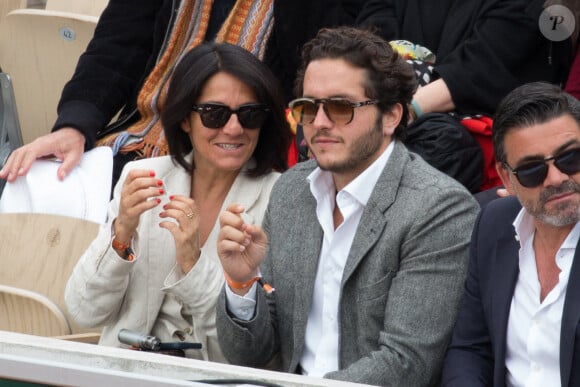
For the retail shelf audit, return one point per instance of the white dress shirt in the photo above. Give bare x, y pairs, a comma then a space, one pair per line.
533, 331
322, 330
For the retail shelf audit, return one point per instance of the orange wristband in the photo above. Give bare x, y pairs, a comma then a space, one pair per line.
244, 285
129, 254
240, 285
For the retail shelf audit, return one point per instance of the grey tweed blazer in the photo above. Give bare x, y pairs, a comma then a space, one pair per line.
400, 288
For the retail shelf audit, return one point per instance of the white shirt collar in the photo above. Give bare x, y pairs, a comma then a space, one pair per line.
525, 228
361, 187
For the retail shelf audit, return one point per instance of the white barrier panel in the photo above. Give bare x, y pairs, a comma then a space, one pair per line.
51, 373
111, 367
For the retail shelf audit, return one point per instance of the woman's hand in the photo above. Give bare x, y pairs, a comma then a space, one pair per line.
185, 229
140, 193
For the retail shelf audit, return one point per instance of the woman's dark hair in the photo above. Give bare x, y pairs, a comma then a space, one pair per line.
389, 78
187, 83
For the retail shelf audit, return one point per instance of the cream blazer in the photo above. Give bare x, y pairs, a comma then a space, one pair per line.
106, 290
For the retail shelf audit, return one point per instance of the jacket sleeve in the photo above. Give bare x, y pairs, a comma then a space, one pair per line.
485, 65
469, 360
250, 343
111, 68
486, 48
96, 288
381, 15
95, 291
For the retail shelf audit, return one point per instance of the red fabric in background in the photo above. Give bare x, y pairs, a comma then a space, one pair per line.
573, 82
292, 153
480, 128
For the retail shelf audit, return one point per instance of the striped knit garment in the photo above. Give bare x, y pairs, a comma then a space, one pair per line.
248, 25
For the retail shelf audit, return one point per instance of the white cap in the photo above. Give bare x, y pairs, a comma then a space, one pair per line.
84, 193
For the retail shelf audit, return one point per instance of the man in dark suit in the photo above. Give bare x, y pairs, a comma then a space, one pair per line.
366, 246
518, 320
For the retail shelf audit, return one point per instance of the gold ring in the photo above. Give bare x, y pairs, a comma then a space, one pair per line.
190, 215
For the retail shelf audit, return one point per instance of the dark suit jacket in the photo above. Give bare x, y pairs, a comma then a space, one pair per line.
401, 284
476, 356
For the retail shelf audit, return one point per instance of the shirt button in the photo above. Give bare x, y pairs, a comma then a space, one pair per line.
188, 330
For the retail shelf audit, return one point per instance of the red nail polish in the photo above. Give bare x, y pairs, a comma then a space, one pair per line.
152, 173
161, 191
164, 206
172, 197
159, 183
158, 200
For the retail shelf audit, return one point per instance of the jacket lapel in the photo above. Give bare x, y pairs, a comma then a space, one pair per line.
374, 219
570, 319
503, 280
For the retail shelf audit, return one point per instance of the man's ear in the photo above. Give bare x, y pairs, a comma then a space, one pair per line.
391, 119
505, 177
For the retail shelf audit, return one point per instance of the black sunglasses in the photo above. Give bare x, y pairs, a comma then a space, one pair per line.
338, 110
215, 115
534, 173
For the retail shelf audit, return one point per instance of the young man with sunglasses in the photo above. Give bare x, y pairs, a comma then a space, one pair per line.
518, 321
366, 246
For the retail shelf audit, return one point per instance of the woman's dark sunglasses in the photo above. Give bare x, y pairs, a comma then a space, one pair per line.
338, 110
534, 173
216, 116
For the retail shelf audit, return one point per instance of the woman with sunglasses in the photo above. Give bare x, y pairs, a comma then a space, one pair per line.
153, 268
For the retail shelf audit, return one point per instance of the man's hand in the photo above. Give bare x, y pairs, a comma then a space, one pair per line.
241, 246
66, 144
